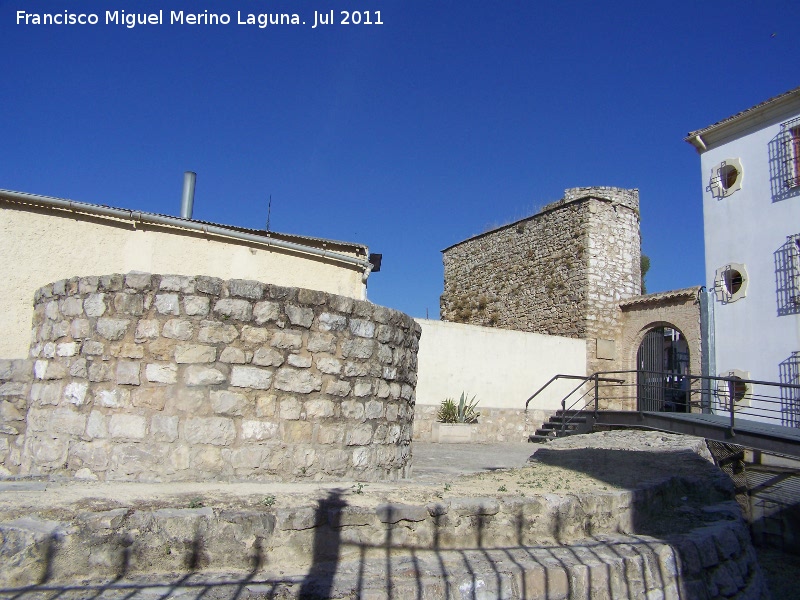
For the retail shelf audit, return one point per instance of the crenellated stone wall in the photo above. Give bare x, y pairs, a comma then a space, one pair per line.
169, 378
562, 271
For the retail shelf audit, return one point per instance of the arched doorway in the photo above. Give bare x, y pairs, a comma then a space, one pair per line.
662, 364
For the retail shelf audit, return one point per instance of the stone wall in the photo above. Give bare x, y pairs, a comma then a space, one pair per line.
562, 271
166, 377
494, 425
15, 385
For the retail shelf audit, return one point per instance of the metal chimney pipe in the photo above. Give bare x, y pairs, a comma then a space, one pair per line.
187, 201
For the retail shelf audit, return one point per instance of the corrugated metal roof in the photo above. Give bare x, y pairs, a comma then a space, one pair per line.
289, 237
743, 113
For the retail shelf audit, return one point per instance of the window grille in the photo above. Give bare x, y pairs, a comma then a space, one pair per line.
790, 142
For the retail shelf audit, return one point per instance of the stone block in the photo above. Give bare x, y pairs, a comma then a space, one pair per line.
129, 304
196, 375
161, 373
112, 329
230, 404
195, 353
49, 370
128, 372
362, 328
196, 305
232, 355
100, 371
153, 398
111, 283
189, 401
266, 311
391, 513
251, 377
164, 428
290, 408
112, 398
80, 329
147, 329
8, 412
374, 409
131, 351
177, 283
332, 322
330, 433
127, 427
75, 392
328, 365
293, 380
319, 408
322, 342
299, 361
339, 387
355, 369
215, 332
139, 281
265, 405
65, 420
296, 432
208, 285
363, 458
71, 307
13, 388
267, 357
362, 388
95, 305
217, 431
299, 315
292, 340
341, 304
242, 288
231, 308
360, 435
358, 348
353, 410
257, 431
255, 336
178, 329
96, 425
168, 304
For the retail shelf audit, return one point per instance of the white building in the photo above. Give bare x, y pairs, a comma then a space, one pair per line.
750, 166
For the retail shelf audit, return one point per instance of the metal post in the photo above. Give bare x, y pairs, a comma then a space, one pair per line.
596, 393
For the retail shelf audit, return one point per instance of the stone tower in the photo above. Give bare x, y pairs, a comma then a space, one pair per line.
562, 271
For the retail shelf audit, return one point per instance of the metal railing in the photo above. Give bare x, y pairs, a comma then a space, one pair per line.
569, 419
730, 396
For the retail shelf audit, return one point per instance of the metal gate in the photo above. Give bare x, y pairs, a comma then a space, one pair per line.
650, 364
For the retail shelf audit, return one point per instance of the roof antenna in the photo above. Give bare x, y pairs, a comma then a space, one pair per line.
269, 211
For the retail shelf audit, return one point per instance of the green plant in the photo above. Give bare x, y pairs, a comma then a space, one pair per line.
358, 488
268, 500
196, 503
502, 488
463, 412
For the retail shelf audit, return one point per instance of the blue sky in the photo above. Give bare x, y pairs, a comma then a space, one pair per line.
447, 120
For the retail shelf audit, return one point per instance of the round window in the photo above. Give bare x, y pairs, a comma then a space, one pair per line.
733, 281
728, 176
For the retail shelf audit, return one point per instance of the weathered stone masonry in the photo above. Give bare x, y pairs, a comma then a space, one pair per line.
562, 271
165, 377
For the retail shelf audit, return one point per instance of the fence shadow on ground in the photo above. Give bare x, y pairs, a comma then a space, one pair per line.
615, 565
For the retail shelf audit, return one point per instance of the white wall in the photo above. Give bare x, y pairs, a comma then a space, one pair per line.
503, 368
41, 246
748, 227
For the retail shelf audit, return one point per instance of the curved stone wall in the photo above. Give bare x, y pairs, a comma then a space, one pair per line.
164, 377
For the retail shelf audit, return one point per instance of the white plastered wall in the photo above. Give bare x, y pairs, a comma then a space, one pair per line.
501, 367
41, 246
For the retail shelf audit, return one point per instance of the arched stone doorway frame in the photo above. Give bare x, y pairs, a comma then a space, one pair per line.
679, 309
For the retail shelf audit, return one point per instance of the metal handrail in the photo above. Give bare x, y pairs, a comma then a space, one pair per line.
728, 403
583, 380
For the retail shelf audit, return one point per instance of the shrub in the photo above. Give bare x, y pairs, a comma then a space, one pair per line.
463, 412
